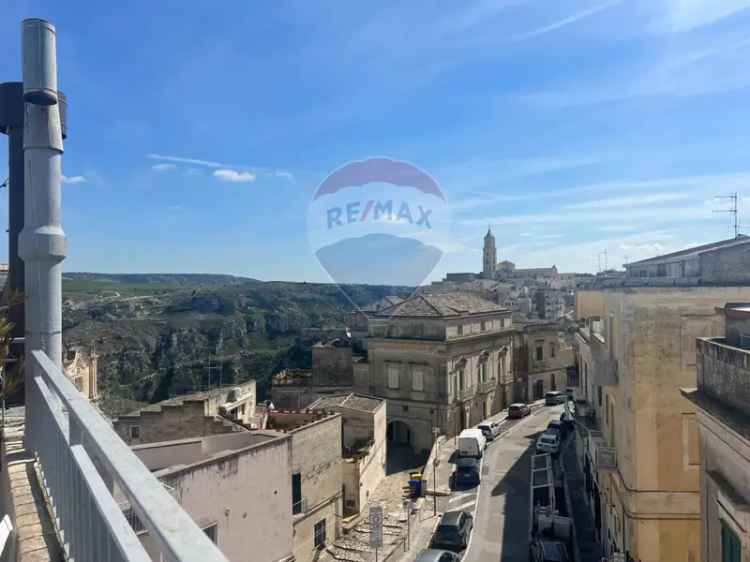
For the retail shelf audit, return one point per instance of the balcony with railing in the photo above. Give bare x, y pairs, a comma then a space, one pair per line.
81, 461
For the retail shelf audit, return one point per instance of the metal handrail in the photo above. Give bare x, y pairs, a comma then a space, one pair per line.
80, 459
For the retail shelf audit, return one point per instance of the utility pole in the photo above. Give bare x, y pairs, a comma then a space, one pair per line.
734, 210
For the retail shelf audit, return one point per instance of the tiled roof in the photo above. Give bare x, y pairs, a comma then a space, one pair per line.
440, 305
385, 302
351, 400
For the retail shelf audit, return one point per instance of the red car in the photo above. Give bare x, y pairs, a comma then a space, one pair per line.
518, 410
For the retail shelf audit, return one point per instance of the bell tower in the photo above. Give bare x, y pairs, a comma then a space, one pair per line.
489, 261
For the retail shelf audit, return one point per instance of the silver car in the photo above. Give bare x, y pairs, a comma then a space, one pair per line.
433, 555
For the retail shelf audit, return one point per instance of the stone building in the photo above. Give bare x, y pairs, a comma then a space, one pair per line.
316, 477
364, 444
332, 363
547, 360
221, 410
236, 487
722, 401
644, 459
723, 262
441, 360
81, 365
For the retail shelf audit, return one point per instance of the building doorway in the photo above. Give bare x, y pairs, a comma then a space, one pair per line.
399, 433
539, 390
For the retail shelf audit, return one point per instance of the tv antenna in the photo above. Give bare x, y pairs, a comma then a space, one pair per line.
734, 210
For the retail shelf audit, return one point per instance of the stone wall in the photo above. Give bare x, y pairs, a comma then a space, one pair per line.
316, 456
729, 265
724, 372
173, 421
246, 494
332, 365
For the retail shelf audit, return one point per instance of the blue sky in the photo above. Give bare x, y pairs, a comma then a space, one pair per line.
199, 131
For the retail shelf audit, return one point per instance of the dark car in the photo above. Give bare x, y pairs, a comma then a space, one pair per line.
548, 551
568, 420
518, 410
554, 397
453, 531
432, 555
466, 473
559, 427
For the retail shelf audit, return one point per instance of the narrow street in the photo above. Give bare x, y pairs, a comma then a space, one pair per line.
501, 522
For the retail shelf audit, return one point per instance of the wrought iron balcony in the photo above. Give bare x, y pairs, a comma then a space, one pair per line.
81, 460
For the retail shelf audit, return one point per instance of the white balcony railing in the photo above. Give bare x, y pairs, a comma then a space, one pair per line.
80, 459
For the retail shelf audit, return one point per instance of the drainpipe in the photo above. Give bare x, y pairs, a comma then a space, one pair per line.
42, 241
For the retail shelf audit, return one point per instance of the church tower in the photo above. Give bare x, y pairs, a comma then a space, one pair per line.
489, 261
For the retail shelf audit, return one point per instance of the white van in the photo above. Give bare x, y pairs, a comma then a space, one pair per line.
471, 443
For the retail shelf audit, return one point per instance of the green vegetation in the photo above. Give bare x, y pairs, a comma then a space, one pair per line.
155, 334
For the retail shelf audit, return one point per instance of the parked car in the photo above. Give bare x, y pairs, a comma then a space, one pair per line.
433, 555
548, 551
518, 410
471, 443
568, 420
453, 531
548, 442
466, 473
571, 392
554, 397
559, 427
490, 430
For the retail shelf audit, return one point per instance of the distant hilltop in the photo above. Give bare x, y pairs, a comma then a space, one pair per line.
157, 278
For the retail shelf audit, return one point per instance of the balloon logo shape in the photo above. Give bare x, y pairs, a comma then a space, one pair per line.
378, 221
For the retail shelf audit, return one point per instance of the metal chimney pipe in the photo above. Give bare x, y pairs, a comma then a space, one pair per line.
42, 243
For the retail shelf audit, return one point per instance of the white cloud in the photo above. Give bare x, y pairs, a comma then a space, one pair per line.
629, 202
234, 176
74, 179
249, 173
686, 15
164, 167
565, 21
181, 160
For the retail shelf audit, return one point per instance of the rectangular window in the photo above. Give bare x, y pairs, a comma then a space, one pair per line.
483, 326
320, 534
460, 329
599, 393
483, 371
417, 379
296, 493
730, 545
552, 350
539, 353
135, 431
392, 376
211, 532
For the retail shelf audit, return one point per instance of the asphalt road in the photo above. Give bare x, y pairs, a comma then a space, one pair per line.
501, 503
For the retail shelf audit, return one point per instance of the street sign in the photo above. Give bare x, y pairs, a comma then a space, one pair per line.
376, 526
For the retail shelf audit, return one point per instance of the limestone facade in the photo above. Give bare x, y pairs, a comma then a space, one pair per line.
316, 477
442, 361
722, 400
222, 410
649, 485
